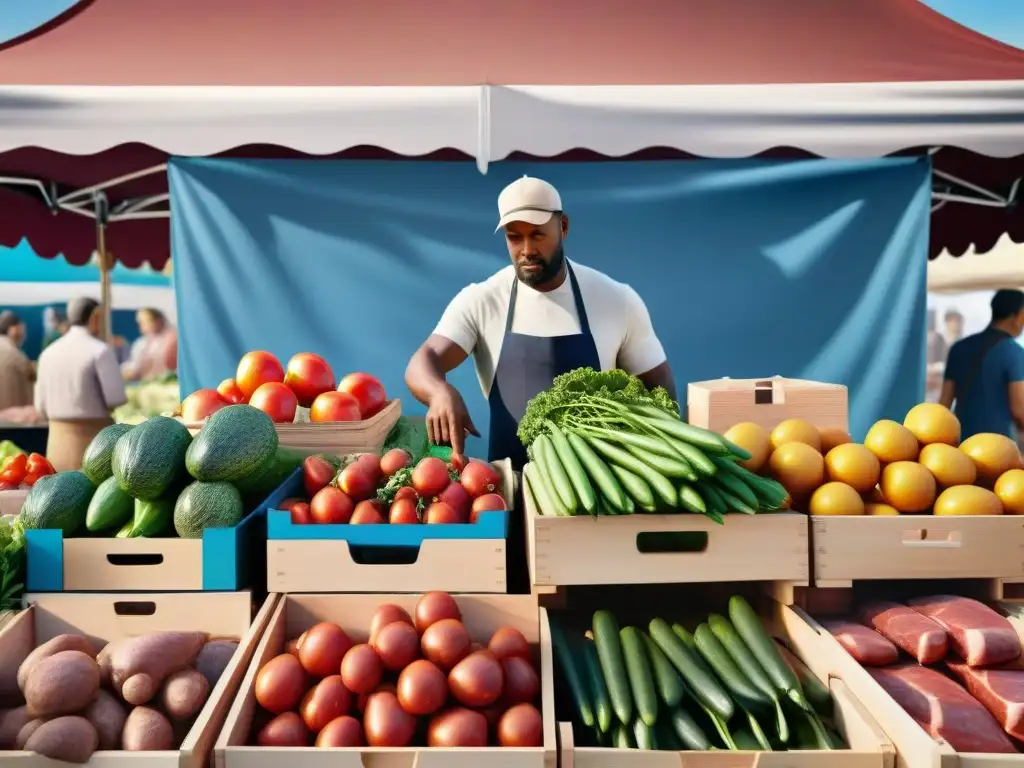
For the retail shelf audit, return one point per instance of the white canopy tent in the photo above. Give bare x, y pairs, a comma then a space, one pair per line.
1002, 267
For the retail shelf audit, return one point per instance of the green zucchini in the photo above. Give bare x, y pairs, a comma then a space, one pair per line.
662, 485
692, 501
738, 488
613, 664
571, 673
598, 471
745, 741
704, 439
555, 472
635, 487
713, 499
732, 501
690, 734
666, 736
815, 691
573, 468
644, 733
623, 737
597, 687
755, 728
670, 687
638, 668
742, 691
704, 686
548, 502
674, 467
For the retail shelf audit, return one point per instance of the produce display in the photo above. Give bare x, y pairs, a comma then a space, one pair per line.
917, 467
366, 489
12, 562
602, 444
284, 392
149, 398
19, 471
953, 663
138, 694
410, 680
727, 685
154, 479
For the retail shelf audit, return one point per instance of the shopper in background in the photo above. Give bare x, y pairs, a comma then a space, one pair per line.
984, 381
155, 352
16, 370
79, 383
954, 326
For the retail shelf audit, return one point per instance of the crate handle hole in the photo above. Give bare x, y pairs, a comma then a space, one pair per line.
134, 608
660, 542
765, 393
374, 555
922, 537
1012, 591
135, 559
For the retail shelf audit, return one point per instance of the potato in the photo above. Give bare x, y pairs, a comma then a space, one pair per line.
107, 716
146, 730
184, 694
62, 684
214, 659
139, 665
72, 739
11, 721
103, 659
49, 648
26, 732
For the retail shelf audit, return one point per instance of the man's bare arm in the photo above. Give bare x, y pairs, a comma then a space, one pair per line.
660, 376
425, 374
948, 394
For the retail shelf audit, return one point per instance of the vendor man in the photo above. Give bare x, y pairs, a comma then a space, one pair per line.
530, 322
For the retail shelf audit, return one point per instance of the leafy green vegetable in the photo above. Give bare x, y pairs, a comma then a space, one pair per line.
8, 449
589, 395
12, 562
409, 434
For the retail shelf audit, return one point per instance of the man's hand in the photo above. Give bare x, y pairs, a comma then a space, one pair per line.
448, 419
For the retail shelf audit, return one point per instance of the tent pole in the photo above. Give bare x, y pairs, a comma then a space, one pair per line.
102, 215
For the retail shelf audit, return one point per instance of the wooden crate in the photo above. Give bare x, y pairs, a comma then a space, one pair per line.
848, 549
107, 617
338, 438
567, 551
915, 748
721, 403
468, 558
11, 501
482, 615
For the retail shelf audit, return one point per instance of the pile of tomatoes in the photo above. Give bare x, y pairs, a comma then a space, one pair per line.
414, 670
308, 381
21, 471
387, 489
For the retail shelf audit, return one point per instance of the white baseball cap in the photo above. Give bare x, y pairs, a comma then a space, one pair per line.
527, 199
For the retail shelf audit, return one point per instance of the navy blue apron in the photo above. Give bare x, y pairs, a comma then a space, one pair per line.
526, 366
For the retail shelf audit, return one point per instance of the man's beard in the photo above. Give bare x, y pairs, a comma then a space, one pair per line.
547, 273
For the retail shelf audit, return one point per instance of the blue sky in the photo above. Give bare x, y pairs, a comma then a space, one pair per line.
1001, 19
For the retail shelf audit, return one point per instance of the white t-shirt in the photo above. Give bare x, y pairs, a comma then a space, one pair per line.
619, 320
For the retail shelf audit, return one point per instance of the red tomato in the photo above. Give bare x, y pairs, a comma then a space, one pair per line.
30, 478
257, 368
403, 512
201, 404
38, 465
18, 463
480, 478
334, 406
489, 502
331, 506
316, 473
367, 390
275, 400
458, 462
407, 492
308, 375
231, 392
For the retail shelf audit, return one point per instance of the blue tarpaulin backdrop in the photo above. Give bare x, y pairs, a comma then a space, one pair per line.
750, 268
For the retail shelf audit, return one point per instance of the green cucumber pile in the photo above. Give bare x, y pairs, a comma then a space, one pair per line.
726, 686
602, 444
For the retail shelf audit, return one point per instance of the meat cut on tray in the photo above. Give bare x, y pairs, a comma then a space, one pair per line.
1000, 691
977, 634
911, 631
864, 644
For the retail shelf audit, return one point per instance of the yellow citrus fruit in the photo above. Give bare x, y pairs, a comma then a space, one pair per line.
876, 509
949, 465
798, 467
890, 442
831, 437
967, 500
754, 439
908, 486
992, 454
1010, 490
836, 499
854, 465
796, 431
933, 423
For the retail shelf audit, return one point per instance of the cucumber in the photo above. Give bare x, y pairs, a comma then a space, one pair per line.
713, 499
555, 472
548, 502
815, 691
597, 687
623, 737
745, 741
670, 687
573, 468
704, 439
666, 736
744, 659
617, 456
738, 488
599, 472
690, 734
674, 467
564, 657
704, 686
635, 487
152, 518
126, 530
613, 664
755, 728
743, 692
733, 502
697, 459
692, 501
644, 733
638, 668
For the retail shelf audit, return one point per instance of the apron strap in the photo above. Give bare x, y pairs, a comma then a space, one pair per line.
577, 297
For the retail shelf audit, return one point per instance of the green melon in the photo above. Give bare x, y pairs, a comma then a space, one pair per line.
149, 460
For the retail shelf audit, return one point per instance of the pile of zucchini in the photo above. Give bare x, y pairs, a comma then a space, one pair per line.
726, 686
660, 464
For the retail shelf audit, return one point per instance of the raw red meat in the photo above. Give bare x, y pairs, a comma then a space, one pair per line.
943, 708
918, 635
1001, 691
977, 634
864, 644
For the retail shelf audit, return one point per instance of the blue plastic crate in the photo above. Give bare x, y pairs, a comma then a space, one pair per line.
232, 558
489, 525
